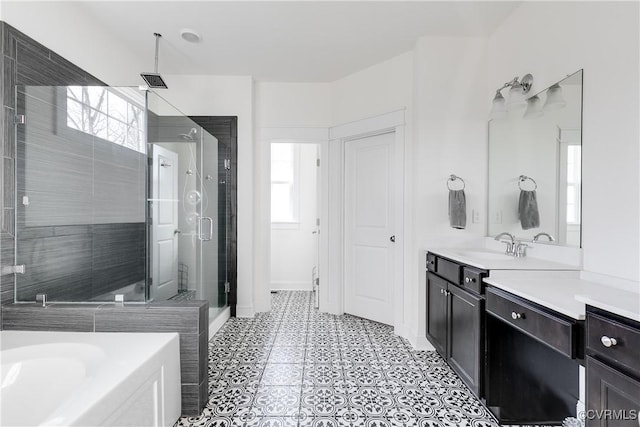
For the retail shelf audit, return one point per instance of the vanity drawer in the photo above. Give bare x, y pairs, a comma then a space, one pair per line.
448, 270
625, 351
472, 279
431, 262
550, 329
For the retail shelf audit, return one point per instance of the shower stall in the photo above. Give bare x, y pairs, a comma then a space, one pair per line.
116, 197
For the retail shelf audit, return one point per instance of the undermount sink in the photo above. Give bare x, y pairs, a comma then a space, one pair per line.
485, 255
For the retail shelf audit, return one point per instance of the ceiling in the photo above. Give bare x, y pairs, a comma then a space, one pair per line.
293, 41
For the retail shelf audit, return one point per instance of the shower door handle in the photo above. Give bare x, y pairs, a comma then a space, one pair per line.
210, 235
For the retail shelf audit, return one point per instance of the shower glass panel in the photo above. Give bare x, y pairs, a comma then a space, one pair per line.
183, 200
116, 194
80, 193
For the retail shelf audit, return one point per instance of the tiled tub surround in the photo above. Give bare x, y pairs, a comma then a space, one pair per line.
190, 319
296, 366
80, 379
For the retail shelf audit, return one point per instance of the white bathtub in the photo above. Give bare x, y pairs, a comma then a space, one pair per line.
89, 379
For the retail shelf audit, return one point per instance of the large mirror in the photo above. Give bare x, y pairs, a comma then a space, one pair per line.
535, 167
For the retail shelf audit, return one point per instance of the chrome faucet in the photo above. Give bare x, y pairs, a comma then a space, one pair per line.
511, 245
549, 236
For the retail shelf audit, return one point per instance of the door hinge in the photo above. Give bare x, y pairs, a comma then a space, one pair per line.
318, 162
17, 269
227, 287
227, 164
19, 119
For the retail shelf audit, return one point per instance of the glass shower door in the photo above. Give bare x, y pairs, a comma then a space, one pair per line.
208, 224
183, 209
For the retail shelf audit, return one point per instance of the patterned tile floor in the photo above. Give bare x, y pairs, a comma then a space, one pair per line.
296, 366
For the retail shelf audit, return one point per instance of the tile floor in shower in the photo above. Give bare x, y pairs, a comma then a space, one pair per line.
296, 366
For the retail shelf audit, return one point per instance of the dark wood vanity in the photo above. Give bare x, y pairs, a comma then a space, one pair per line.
613, 370
532, 361
455, 317
520, 358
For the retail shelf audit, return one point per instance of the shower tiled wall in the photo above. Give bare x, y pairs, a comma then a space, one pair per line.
85, 234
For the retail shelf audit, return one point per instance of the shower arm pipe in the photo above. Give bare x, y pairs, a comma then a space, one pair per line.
157, 36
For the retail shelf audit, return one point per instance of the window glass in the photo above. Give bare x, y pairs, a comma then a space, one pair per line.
106, 114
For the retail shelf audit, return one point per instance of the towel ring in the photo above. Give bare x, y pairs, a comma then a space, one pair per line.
453, 178
524, 178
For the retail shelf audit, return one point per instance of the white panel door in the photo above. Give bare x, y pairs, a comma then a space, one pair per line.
369, 227
165, 223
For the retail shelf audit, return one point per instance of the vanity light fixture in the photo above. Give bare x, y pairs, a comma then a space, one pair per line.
555, 100
534, 108
517, 100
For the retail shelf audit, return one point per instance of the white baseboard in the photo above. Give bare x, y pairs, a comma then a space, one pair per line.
216, 324
245, 311
292, 286
417, 342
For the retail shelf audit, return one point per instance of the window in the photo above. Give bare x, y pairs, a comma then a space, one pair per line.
284, 183
573, 183
101, 112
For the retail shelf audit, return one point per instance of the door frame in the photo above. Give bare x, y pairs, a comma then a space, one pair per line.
268, 136
339, 136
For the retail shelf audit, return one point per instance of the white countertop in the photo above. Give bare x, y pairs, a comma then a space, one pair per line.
566, 293
500, 261
556, 286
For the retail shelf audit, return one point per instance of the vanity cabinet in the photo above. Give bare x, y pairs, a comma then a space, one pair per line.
532, 361
613, 370
455, 317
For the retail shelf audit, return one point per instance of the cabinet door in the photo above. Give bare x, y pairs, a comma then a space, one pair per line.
613, 399
437, 313
465, 336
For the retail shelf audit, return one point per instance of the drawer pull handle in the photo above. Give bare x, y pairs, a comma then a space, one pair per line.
608, 342
516, 316
469, 280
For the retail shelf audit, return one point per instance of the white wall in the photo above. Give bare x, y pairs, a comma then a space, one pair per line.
292, 104
450, 137
376, 90
294, 248
553, 39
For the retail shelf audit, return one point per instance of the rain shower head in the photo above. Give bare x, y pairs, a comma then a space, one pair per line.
189, 136
154, 80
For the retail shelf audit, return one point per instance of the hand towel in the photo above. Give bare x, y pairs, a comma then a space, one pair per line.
457, 209
528, 210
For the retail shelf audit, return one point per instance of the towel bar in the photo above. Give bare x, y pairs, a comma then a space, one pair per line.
524, 178
453, 178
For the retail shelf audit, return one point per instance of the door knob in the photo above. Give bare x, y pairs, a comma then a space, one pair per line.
176, 231
392, 239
